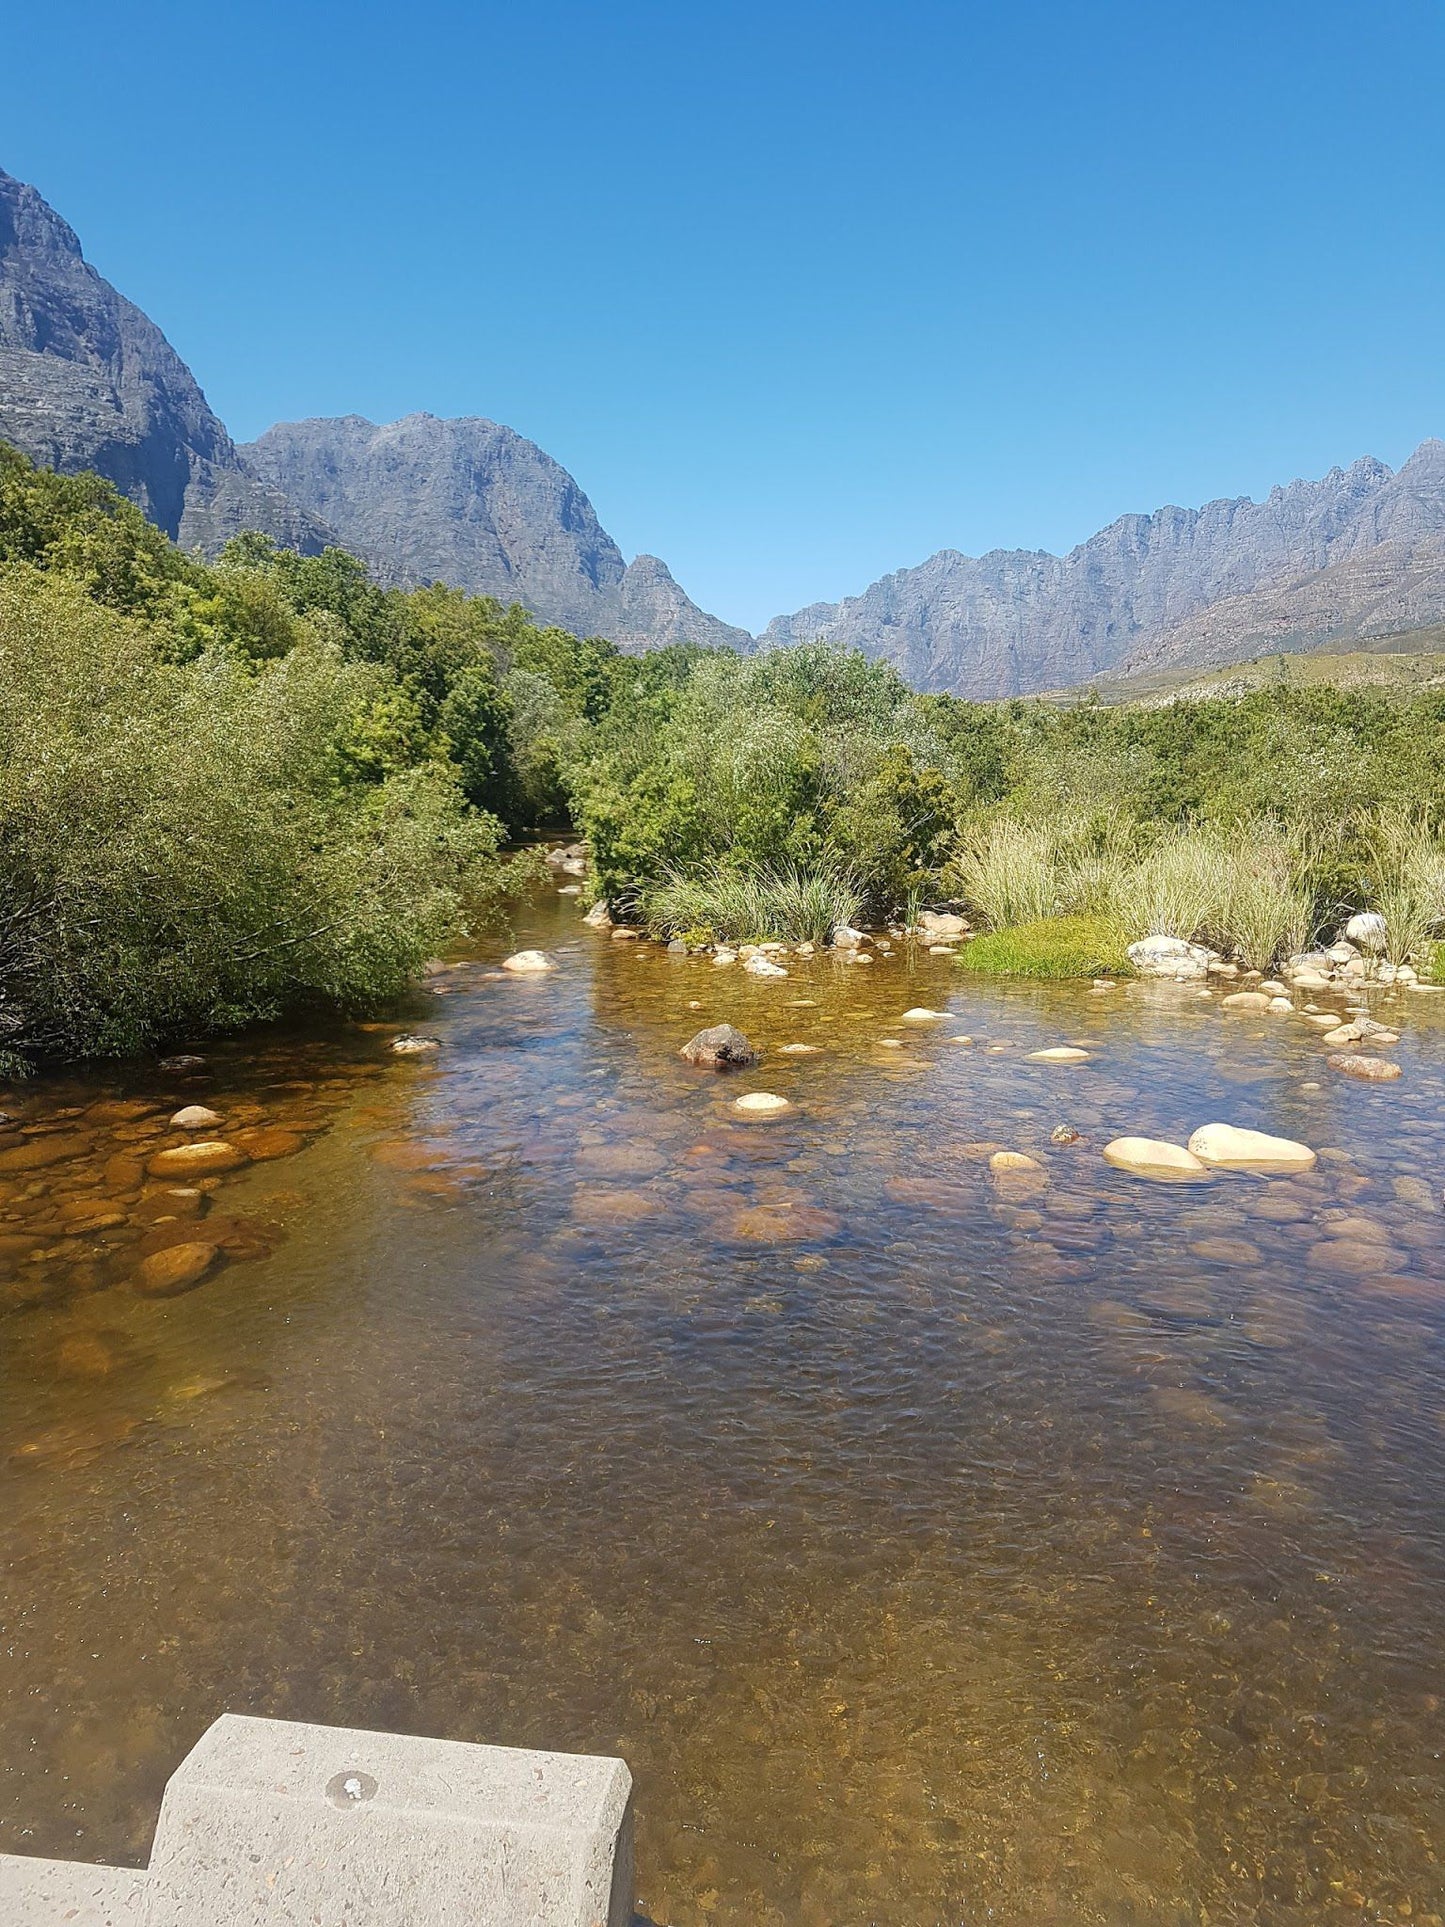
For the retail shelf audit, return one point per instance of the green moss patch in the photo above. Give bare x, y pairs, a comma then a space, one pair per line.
1051, 947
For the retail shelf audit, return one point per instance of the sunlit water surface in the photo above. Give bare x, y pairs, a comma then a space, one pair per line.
934, 1549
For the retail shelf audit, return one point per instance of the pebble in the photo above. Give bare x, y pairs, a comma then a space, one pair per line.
922, 1015
1059, 1054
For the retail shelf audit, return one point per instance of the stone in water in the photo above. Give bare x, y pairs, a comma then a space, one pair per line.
1150, 1157
761, 1104
1232, 1148
528, 963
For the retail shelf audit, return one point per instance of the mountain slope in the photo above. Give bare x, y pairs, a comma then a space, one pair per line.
1360, 552
88, 381
473, 503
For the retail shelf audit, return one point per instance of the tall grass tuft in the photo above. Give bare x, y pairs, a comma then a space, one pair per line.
1010, 872
1408, 868
1181, 887
788, 902
1267, 915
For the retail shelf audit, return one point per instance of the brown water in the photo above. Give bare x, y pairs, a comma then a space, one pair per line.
934, 1549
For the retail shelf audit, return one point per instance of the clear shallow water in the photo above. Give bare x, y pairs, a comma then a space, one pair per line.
934, 1549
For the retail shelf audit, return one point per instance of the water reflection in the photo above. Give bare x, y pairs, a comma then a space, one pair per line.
936, 1543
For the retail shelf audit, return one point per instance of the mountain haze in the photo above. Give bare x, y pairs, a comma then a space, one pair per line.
477, 505
1359, 553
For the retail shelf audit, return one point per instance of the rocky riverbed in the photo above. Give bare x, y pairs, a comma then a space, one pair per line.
940, 1517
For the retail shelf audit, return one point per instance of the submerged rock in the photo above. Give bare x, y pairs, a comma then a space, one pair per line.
529, 963
1059, 1054
921, 1014
206, 1158
195, 1117
761, 966
175, 1269
1233, 1148
1370, 1070
761, 1104
1006, 1162
1247, 1000
1150, 1157
720, 1048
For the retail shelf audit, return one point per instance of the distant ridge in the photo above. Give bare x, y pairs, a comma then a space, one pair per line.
1360, 553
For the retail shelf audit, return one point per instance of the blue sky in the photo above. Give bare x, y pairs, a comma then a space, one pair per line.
799, 293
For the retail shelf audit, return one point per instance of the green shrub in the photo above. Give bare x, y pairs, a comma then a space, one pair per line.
1077, 946
195, 846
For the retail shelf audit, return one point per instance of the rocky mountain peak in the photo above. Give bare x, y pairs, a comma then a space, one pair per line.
471, 502
88, 381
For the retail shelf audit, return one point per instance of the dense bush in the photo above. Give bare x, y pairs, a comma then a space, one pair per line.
199, 845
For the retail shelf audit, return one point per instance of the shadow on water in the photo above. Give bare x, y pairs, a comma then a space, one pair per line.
935, 1545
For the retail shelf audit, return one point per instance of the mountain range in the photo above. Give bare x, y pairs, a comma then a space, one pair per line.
88, 381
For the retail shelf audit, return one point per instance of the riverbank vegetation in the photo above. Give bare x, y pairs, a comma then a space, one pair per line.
228, 788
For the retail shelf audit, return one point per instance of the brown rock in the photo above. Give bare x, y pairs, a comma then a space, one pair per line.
207, 1158
36, 1153
91, 1214
175, 1269
122, 1173
120, 1110
1370, 1070
720, 1048
270, 1141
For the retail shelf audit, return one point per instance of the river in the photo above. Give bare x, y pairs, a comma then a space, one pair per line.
935, 1546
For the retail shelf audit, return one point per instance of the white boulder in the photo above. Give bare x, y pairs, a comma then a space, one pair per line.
529, 963
760, 966
1232, 1148
1152, 1157
1367, 929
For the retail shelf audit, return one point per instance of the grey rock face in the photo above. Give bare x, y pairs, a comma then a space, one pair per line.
472, 503
1363, 547
88, 381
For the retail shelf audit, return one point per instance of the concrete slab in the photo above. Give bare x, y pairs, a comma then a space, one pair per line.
68, 1893
270, 1822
